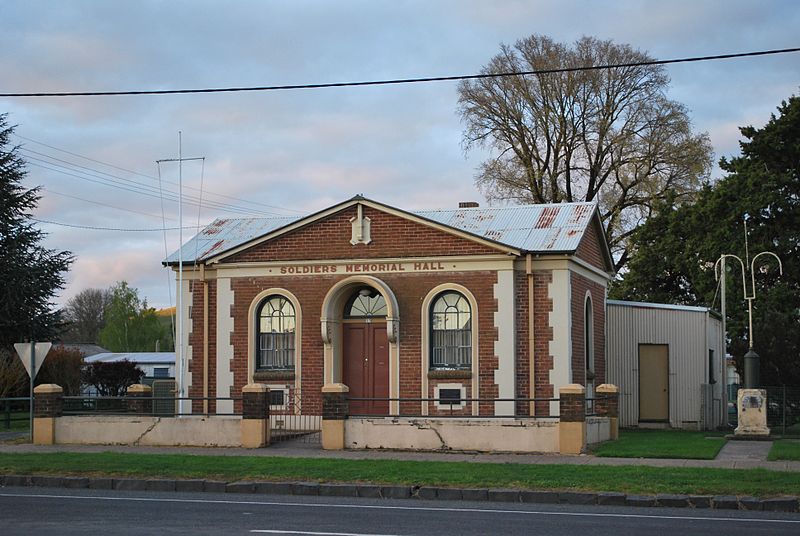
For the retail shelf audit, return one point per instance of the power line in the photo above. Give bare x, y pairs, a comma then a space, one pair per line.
49, 190
397, 80
115, 178
208, 192
136, 187
90, 227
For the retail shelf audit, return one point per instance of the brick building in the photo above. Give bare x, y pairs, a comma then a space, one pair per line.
399, 305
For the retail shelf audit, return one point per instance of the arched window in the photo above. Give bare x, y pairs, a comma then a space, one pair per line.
451, 332
588, 338
275, 334
366, 302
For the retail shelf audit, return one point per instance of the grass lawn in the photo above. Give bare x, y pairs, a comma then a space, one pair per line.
663, 444
628, 479
785, 449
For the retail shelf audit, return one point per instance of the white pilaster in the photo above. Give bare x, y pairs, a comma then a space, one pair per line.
504, 345
186, 309
224, 346
559, 320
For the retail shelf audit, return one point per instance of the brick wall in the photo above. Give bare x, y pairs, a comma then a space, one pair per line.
410, 290
543, 336
589, 249
580, 285
391, 235
195, 365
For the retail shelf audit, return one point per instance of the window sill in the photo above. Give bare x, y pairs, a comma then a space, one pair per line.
267, 375
449, 374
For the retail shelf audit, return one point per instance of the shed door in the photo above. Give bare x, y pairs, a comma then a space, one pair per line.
653, 382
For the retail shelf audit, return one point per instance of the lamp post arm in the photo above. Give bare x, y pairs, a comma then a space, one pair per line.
741, 263
753, 268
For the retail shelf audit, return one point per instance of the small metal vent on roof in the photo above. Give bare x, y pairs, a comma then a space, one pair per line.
468, 204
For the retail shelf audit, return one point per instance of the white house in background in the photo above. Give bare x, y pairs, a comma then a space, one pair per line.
668, 361
156, 365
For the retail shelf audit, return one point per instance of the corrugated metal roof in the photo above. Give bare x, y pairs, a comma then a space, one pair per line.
537, 228
650, 305
224, 234
546, 228
142, 358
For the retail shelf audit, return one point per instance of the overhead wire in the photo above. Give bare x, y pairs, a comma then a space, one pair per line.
200, 206
134, 188
208, 192
51, 191
397, 81
166, 255
116, 178
119, 229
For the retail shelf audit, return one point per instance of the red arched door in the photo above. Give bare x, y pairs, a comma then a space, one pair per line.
365, 352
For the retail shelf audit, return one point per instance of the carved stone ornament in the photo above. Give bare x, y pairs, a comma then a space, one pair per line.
360, 227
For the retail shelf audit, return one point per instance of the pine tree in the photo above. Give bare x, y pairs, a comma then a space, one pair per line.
30, 274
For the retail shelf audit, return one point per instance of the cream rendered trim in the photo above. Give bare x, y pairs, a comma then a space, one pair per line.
505, 345
444, 264
559, 321
426, 328
347, 204
224, 358
331, 328
588, 345
591, 268
188, 328
567, 262
298, 334
280, 387
459, 386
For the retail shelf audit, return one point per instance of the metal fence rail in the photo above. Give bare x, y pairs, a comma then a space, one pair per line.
783, 410
14, 410
157, 406
445, 407
592, 405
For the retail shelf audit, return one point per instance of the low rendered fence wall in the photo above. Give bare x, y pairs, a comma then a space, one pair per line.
149, 431
482, 435
598, 429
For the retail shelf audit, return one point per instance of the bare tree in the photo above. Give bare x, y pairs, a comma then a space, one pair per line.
605, 135
85, 315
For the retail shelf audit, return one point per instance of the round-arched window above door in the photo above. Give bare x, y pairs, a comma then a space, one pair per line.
365, 302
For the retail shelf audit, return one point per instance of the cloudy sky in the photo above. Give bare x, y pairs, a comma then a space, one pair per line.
299, 151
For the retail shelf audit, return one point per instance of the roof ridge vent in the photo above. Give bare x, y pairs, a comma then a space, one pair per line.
468, 204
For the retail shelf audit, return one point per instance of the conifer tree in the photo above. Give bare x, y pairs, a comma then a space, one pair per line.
30, 274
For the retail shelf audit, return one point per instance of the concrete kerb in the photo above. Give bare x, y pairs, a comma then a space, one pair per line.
719, 502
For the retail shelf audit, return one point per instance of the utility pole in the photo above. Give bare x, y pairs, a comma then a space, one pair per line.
180, 365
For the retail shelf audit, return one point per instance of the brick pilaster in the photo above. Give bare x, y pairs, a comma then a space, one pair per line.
49, 401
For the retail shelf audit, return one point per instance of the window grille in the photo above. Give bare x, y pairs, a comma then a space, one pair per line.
276, 334
451, 332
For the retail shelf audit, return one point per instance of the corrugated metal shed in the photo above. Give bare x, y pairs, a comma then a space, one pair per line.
546, 228
142, 358
689, 333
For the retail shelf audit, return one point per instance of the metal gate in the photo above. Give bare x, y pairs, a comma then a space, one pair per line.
164, 398
288, 422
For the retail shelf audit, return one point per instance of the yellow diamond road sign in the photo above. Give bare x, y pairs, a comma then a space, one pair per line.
24, 351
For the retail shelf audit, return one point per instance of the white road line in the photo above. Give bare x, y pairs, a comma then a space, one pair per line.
318, 533
409, 508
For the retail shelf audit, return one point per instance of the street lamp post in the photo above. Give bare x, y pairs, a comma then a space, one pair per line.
751, 358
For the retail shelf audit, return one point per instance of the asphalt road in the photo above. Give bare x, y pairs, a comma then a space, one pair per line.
35, 511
